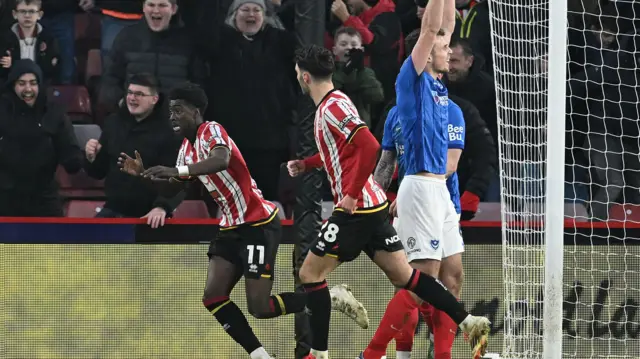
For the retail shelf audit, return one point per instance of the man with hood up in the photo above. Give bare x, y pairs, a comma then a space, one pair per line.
35, 137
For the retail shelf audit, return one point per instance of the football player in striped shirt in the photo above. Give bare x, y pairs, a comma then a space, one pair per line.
249, 228
360, 220
451, 275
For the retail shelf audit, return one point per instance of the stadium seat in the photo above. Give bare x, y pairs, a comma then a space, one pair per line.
191, 209
576, 211
93, 68
327, 209
75, 99
86, 132
625, 212
87, 26
79, 185
83, 209
488, 211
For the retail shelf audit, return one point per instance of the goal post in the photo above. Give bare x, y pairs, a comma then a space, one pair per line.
568, 103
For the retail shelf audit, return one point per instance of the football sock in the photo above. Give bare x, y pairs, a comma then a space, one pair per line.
233, 322
398, 312
286, 303
319, 306
444, 333
404, 338
431, 290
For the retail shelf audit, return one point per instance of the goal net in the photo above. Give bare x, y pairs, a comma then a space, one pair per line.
599, 175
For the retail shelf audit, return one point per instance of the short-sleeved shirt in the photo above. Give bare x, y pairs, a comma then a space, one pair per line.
392, 140
236, 193
422, 103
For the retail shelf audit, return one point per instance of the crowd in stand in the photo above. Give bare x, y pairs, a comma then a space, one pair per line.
241, 53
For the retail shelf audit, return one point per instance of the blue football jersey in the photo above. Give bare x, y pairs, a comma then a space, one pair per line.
423, 113
392, 140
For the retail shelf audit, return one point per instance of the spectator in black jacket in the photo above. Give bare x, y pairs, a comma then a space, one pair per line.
28, 39
473, 22
34, 138
479, 162
467, 80
252, 87
6, 14
141, 124
154, 45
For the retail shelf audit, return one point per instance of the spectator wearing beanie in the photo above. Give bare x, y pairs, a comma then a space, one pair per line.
35, 137
155, 46
252, 87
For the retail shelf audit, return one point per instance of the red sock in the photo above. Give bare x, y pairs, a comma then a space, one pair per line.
397, 314
444, 333
404, 338
427, 310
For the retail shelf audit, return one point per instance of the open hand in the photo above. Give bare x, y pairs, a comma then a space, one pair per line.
160, 173
155, 217
130, 165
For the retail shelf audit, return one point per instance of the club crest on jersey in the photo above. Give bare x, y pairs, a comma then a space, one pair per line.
441, 100
434, 244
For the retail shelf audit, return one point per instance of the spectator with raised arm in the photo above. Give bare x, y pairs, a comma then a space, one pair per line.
35, 137
154, 45
141, 124
381, 32
252, 87
352, 77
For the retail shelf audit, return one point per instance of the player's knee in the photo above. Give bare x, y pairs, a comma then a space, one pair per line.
213, 291
453, 281
260, 308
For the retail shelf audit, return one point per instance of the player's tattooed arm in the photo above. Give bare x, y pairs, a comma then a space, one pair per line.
385, 169
218, 161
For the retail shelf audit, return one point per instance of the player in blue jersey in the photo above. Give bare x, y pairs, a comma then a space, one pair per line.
426, 212
393, 154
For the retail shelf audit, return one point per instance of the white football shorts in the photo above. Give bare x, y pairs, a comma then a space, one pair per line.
427, 222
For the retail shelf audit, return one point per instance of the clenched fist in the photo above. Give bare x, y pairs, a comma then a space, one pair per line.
296, 167
91, 149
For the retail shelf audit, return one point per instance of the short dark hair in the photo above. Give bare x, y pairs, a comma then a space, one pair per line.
411, 39
316, 60
146, 80
347, 31
37, 3
464, 44
173, 2
190, 93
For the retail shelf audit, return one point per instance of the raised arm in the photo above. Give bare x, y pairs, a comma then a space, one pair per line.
431, 25
449, 18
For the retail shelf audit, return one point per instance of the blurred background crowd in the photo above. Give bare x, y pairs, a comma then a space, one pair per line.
80, 79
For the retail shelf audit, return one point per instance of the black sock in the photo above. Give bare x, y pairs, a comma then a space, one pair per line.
433, 291
287, 303
233, 321
319, 304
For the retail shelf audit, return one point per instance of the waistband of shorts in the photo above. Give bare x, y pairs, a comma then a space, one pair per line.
425, 179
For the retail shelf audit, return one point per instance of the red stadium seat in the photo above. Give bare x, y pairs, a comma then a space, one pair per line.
83, 209
79, 185
191, 209
75, 99
625, 212
93, 68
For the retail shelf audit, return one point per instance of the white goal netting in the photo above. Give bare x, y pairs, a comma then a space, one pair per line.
601, 308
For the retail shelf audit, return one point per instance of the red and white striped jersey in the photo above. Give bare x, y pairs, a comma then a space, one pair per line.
336, 121
233, 189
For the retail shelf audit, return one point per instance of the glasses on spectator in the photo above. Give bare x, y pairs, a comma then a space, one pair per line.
27, 12
137, 94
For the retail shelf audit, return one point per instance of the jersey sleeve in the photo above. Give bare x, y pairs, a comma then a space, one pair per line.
387, 137
406, 86
456, 126
212, 136
343, 119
